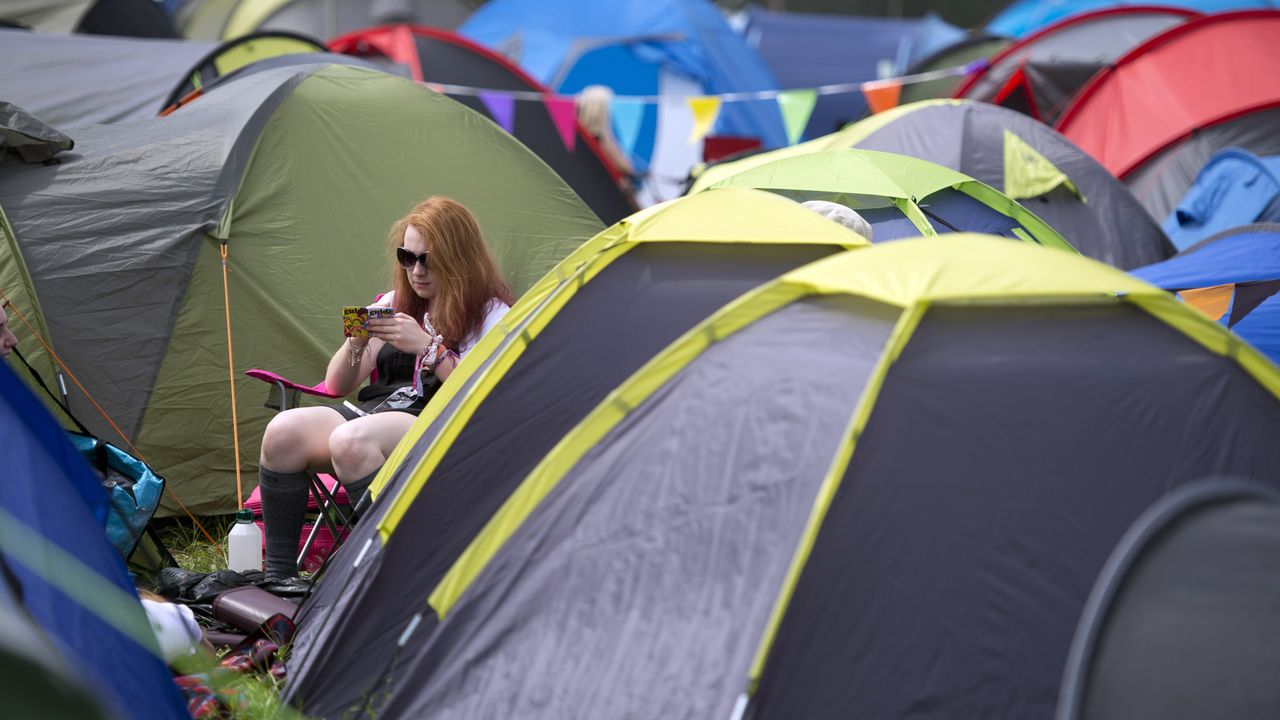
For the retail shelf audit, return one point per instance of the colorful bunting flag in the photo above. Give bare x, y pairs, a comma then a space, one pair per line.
502, 107
882, 94
1249, 296
796, 106
1212, 301
705, 111
628, 116
565, 116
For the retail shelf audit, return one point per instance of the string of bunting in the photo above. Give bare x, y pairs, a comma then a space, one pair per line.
795, 105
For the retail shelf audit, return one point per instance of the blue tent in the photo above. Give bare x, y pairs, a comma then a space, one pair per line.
637, 48
1247, 257
1234, 188
1023, 17
806, 51
72, 582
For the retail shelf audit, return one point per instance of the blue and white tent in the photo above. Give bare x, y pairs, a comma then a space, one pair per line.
1234, 277
669, 49
1234, 188
71, 581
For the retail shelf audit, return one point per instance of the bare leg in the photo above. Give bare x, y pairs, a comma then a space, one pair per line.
361, 446
298, 440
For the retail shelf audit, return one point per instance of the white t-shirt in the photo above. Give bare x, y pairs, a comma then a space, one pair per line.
492, 314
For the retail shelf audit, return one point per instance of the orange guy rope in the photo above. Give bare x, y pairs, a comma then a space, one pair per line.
231, 373
9, 304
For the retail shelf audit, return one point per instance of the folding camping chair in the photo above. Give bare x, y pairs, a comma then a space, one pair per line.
335, 511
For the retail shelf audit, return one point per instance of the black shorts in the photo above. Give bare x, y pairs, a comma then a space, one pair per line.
368, 407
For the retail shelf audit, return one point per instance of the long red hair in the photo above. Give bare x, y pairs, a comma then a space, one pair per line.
467, 276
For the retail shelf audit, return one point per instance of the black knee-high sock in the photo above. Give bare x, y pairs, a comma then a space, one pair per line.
284, 507
356, 488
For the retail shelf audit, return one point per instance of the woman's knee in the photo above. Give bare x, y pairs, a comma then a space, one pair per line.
351, 444
287, 436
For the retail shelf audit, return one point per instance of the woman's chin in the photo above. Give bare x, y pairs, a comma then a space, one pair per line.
426, 292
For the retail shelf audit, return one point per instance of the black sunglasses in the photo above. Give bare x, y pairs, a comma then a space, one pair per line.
408, 259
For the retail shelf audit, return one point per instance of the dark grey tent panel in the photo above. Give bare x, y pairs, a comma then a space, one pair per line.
970, 137
132, 18
1183, 621
1161, 182
613, 325
646, 577
70, 81
121, 239
960, 547
30, 139
326, 18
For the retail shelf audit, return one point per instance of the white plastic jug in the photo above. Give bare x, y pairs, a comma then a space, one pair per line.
244, 543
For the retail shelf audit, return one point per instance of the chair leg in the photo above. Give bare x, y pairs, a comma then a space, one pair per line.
328, 503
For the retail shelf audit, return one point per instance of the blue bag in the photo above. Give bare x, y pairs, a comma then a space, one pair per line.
133, 487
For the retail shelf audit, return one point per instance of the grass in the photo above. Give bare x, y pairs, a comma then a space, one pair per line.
193, 551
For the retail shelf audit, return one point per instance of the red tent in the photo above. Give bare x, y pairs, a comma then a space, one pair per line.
1203, 73
1039, 74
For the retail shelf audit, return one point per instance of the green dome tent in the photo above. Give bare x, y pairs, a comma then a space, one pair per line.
298, 173
899, 196
1016, 154
903, 517
601, 315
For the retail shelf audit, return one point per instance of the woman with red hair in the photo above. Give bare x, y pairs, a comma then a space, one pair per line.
447, 292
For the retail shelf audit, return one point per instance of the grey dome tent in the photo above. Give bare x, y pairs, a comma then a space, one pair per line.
904, 518
297, 172
1183, 621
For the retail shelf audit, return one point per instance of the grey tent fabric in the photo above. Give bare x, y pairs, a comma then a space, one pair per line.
59, 16
70, 81
953, 564
1108, 225
327, 19
28, 137
1160, 183
688, 512
1084, 45
124, 231
1183, 621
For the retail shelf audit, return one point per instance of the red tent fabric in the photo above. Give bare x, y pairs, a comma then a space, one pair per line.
1195, 75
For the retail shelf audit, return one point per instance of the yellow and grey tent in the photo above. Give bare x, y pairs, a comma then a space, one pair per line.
598, 317
897, 509
297, 173
1021, 156
900, 196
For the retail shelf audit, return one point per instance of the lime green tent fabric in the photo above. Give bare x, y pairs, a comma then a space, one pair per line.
298, 172
931, 197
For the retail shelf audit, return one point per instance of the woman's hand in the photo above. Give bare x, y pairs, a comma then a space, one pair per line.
402, 332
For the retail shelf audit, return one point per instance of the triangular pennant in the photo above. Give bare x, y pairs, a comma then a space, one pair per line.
1212, 301
796, 106
1249, 297
705, 111
1028, 174
628, 116
502, 107
565, 116
882, 94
